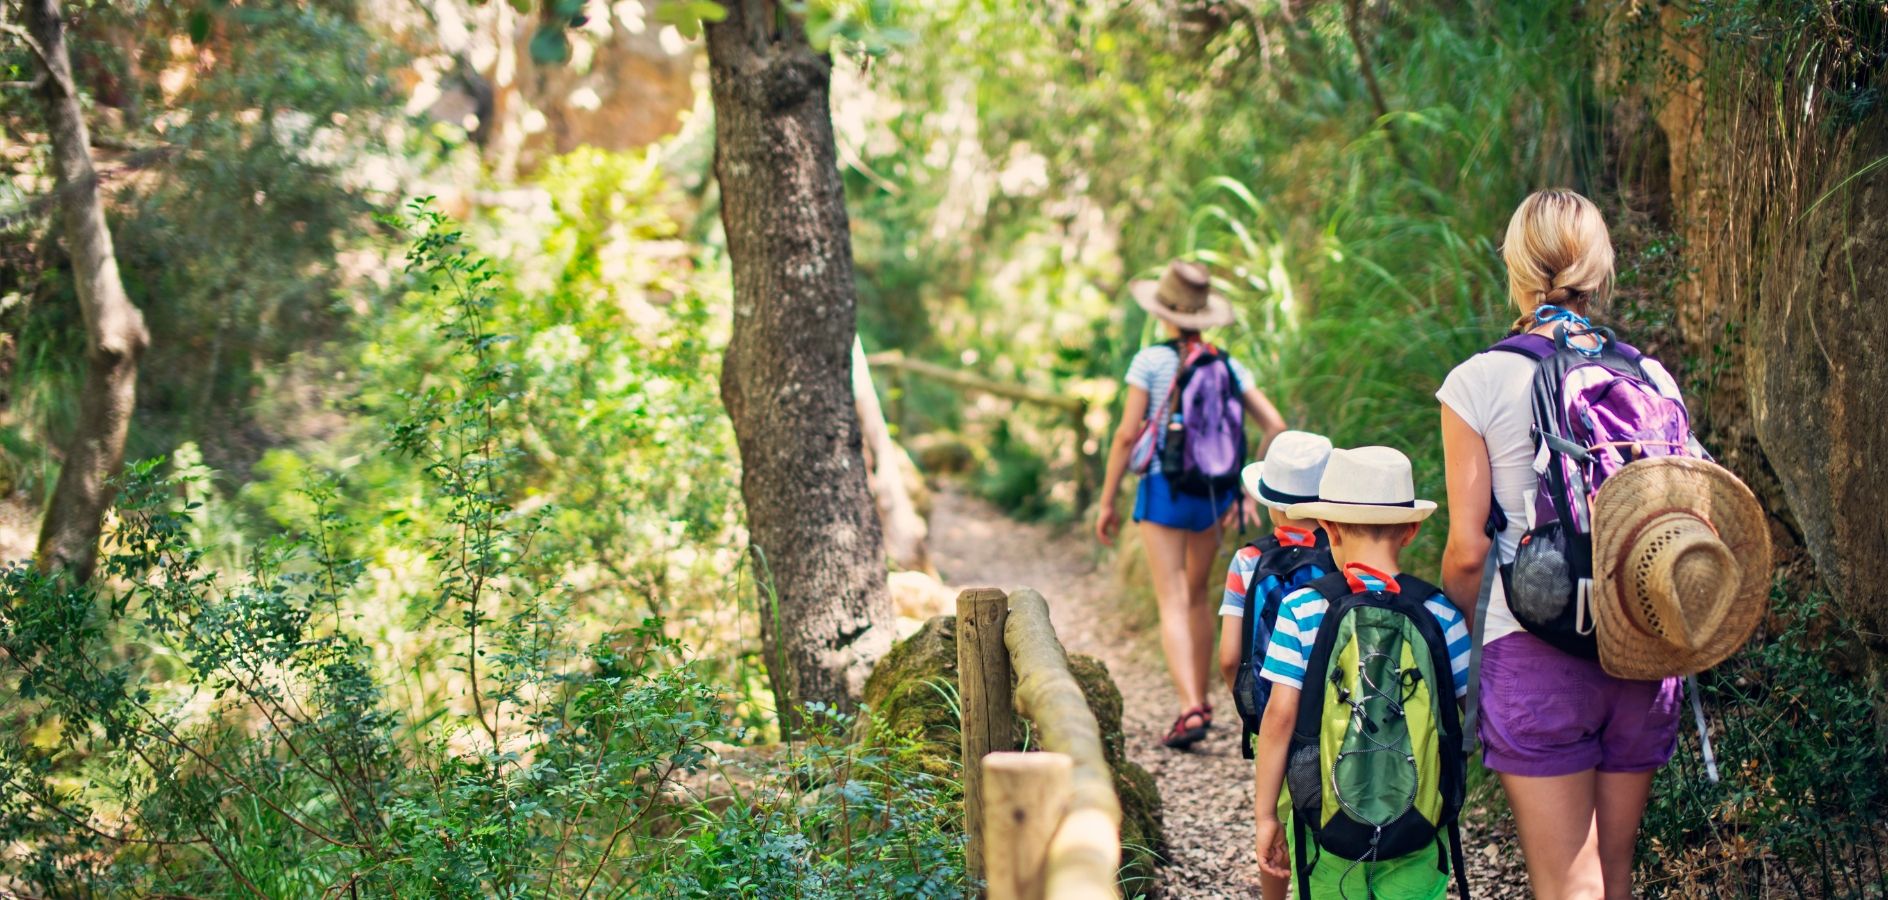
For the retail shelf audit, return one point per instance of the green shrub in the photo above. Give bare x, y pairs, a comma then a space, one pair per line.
178, 730
1800, 751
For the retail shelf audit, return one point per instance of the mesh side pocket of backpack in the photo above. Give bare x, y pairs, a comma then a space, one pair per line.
1540, 583
1304, 776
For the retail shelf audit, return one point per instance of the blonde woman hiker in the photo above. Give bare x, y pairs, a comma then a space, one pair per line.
1188, 445
1601, 554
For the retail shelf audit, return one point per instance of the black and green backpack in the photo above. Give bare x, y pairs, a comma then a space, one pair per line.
1376, 766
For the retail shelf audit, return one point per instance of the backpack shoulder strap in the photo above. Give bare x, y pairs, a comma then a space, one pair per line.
1532, 346
1332, 586
1265, 545
1411, 586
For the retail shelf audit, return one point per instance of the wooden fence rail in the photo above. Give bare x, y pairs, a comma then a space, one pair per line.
1041, 828
1074, 408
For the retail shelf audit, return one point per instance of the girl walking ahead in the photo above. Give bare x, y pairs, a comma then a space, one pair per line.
1186, 491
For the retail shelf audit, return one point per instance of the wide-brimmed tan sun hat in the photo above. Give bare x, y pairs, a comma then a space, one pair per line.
1184, 296
1366, 486
1290, 471
1681, 567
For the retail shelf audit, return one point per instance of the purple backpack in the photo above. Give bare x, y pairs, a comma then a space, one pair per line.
1595, 410
1203, 446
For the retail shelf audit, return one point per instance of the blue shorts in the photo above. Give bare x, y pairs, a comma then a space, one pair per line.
1155, 501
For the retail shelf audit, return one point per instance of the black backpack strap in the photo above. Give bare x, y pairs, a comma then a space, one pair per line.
1301, 852
1457, 860
1335, 589
1411, 586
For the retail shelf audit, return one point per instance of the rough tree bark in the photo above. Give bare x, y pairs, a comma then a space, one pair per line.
786, 380
114, 329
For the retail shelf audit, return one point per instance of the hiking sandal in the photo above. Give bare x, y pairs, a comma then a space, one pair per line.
1182, 735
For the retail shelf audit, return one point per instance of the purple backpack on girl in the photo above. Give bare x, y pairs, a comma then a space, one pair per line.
1595, 410
1203, 446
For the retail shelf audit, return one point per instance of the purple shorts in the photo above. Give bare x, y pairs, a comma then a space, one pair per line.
1546, 713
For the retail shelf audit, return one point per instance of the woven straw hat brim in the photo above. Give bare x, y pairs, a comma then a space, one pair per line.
1361, 513
1637, 493
1218, 310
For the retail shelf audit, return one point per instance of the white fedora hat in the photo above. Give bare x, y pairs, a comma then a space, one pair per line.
1290, 471
1366, 486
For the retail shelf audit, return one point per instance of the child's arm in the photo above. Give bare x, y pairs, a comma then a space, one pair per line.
1281, 715
1231, 642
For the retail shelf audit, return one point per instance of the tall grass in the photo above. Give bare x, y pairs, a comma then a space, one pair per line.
1362, 251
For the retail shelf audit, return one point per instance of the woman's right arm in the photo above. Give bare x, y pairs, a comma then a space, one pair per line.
1471, 490
1133, 415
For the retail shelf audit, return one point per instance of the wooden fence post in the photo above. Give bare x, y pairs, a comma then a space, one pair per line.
983, 696
1084, 473
1025, 796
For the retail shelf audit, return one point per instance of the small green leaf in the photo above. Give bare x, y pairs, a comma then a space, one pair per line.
199, 25
550, 46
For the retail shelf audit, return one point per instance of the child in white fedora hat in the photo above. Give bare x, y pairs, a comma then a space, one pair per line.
1295, 553
1366, 501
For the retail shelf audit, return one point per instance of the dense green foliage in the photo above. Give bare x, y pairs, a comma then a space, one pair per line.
263, 152
183, 730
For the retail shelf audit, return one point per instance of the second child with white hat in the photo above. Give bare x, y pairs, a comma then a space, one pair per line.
1295, 553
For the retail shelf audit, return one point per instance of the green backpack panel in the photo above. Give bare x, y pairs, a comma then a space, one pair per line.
1375, 766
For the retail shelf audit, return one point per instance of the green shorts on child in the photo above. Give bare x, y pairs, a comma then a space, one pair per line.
1412, 877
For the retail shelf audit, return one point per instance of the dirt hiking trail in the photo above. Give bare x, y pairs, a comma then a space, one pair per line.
1206, 793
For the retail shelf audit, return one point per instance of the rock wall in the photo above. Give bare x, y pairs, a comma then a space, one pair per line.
1783, 211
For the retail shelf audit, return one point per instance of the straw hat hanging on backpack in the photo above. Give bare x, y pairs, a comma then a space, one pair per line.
1681, 567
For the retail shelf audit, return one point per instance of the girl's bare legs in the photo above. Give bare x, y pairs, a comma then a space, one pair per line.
1188, 655
1202, 551
1619, 805
1558, 834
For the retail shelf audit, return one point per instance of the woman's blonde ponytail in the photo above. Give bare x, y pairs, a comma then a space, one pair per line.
1558, 252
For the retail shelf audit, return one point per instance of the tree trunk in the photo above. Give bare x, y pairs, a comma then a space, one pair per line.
905, 531
786, 380
114, 329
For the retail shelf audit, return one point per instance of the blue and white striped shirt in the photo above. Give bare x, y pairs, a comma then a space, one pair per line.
1297, 630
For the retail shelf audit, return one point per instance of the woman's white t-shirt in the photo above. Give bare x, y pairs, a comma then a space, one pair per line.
1493, 393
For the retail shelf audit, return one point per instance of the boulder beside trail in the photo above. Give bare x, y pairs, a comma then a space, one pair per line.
912, 693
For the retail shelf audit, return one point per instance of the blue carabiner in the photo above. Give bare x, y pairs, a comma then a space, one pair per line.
1575, 325
1548, 312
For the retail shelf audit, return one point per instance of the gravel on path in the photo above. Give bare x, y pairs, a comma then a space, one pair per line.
1206, 793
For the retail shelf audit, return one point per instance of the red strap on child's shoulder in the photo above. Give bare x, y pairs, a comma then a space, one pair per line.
1357, 584
1293, 536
